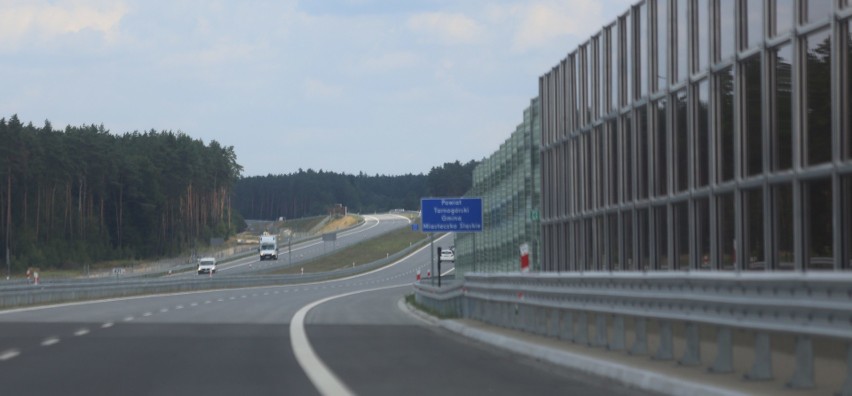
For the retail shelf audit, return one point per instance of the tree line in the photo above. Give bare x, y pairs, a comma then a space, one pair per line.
79, 195
310, 192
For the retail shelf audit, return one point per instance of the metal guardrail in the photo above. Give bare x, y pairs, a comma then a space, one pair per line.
804, 305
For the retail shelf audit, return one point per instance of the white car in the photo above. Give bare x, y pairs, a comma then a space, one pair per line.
207, 265
447, 255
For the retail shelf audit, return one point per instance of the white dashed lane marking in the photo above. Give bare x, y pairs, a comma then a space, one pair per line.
11, 353
106, 325
128, 319
146, 314
81, 332
50, 341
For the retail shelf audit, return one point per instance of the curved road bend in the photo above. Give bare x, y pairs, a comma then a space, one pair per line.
373, 226
238, 341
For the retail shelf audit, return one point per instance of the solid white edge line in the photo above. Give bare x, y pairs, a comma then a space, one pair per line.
320, 375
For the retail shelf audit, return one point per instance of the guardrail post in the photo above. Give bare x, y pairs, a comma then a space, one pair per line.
847, 385
552, 322
724, 352
601, 330
617, 341
762, 368
581, 336
566, 325
640, 344
692, 354
665, 351
803, 377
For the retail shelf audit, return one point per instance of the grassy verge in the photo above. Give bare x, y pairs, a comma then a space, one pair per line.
362, 253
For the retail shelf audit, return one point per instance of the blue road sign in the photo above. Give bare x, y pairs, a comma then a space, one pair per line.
414, 227
451, 214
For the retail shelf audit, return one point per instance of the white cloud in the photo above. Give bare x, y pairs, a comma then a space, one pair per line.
539, 24
317, 89
47, 20
449, 28
390, 61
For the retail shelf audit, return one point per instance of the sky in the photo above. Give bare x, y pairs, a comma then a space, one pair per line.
385, 87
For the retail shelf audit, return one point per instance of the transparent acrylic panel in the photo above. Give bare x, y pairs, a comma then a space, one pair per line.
591, 112
727, 27
661, 238
628, 165
615, 67
644, 248
627, 24
818, 90
783, 16
702, 19
614, 243
726, 220
577, 90
783, 131
753, 116
642, 50
847, 220
602, 75
600, 165
642, 152
662, 27
600, 242
681, 235
702, 229
816, 10
819, 219
753, 23
725, 126
702, 134
754, 257
681, 39
590, 181
661, 149
614, 162
627, 235
680, 145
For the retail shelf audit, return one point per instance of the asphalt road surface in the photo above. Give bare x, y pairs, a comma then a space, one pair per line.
335, 337
373, 226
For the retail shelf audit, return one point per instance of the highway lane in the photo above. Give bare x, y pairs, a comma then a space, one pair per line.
237, 341
373, 226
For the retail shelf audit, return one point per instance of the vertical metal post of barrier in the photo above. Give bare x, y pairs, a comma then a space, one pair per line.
566, 325
581, 336
617, 341
432, 256
724, 362
600, 330
762, 368
665, 351
640, 343
803, 377
552, 322
692, 353
847, 385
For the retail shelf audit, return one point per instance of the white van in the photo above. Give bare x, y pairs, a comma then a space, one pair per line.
207, 265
